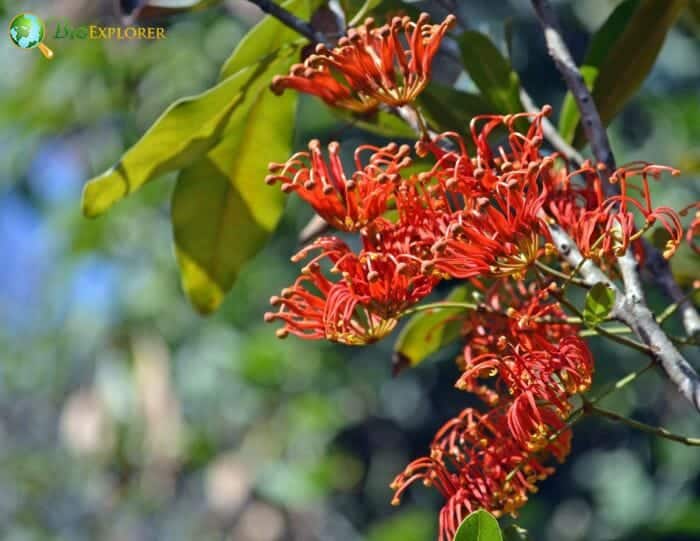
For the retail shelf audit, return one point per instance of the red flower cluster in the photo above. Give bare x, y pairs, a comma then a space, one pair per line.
536, 363
390, 65
481, 215
345, 203
475, 465
603, 227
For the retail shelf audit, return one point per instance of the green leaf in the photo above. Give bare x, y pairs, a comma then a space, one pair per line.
624, 50
185, 131
598, 305
222, 210
427, 332
449, 109
491, 72
479, 526
357, 10
267, 37
570, 116
515, 533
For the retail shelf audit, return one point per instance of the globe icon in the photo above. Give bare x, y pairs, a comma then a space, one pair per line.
27, 31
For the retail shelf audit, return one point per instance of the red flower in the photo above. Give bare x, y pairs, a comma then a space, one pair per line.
345, 203
550, 374
496, 236
359, 308
512, 313
694, 227
470, 461
604, 227
390, 64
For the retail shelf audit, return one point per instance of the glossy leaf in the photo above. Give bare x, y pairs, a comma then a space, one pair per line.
449, 109
222, 211
183, 133
479, 526
624, 51
598, 305
491, 72
429, 331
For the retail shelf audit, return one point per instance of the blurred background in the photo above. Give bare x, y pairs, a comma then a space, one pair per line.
125, 416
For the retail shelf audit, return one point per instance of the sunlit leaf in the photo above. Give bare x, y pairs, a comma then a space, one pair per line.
183, 133
598, 305
479, 526
491, 72
427, 332
222, 210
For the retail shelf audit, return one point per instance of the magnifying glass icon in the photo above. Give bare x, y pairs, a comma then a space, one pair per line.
28, 31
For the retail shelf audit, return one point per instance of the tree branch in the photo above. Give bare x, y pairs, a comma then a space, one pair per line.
655, 430
291, 20
630, 307
590, 119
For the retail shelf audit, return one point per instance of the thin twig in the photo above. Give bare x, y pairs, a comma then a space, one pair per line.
609, 330
622, 382
451, 305
558, 274
655, 430
291, 20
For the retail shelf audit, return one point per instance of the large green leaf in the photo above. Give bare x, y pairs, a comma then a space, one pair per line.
222, 211
623, 51
185, 131
479, 526
427, 332
491, 72
190, 127
449, 109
